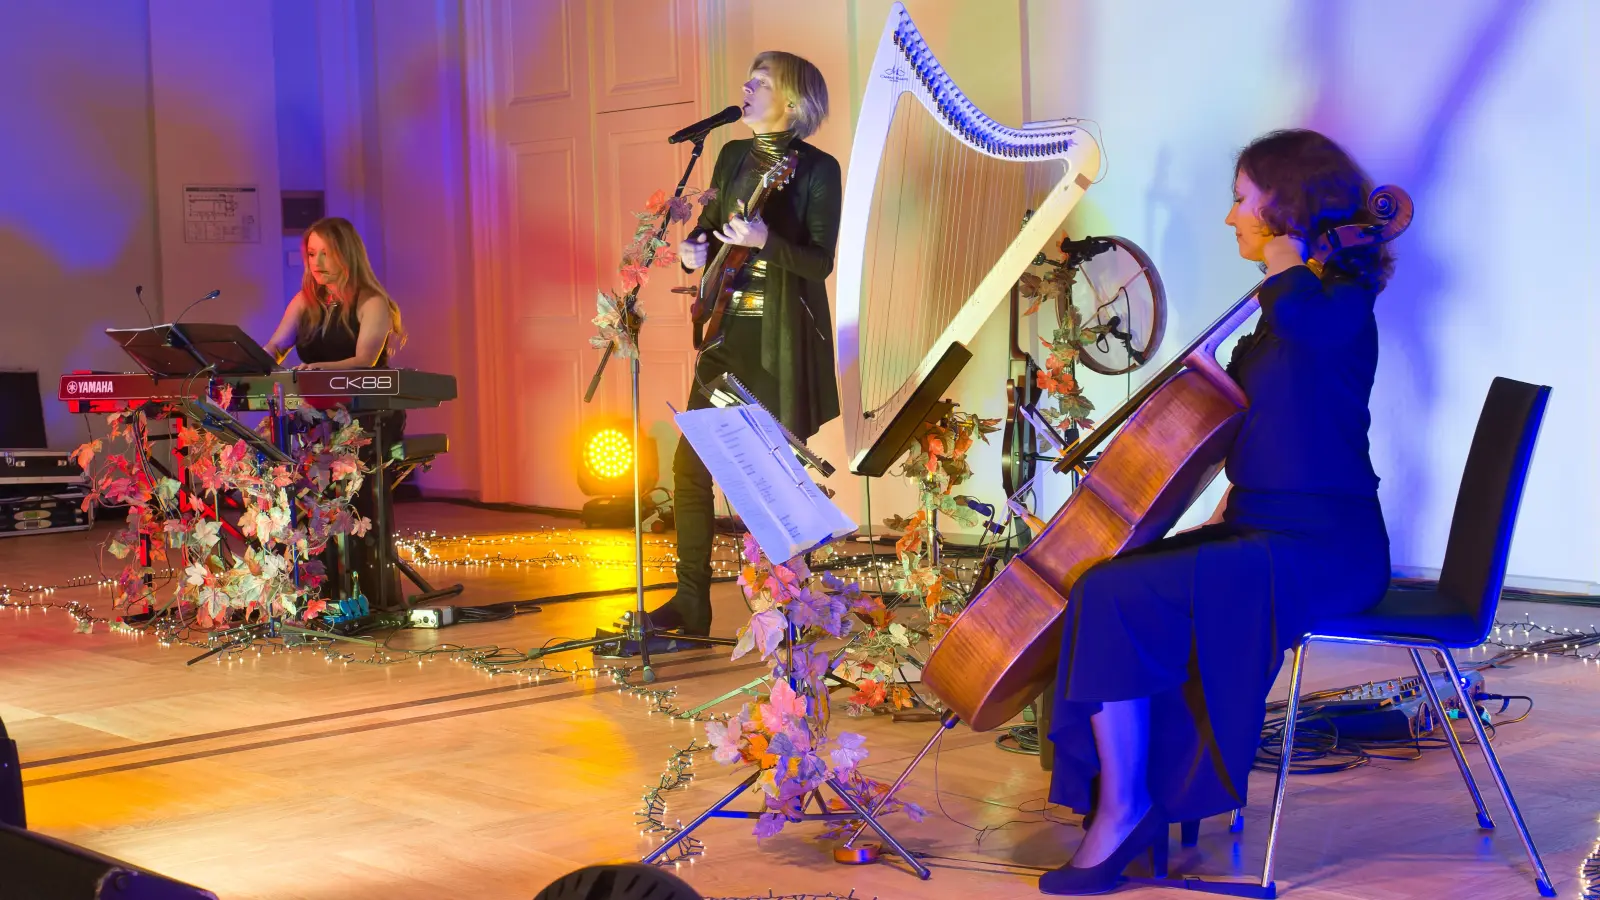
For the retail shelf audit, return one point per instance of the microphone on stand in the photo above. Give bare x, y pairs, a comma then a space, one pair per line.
138, 292
983, 509
1126, 339
699, 129
211, 296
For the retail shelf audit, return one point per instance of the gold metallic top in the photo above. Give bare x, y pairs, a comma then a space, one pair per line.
765, 150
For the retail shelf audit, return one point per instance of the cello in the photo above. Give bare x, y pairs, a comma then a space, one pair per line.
1171, 439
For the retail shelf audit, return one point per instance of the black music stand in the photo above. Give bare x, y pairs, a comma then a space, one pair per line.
180, 351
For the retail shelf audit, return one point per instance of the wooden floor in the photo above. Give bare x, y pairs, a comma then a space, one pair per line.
289, 776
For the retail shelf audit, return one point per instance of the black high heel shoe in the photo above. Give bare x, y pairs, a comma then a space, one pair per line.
1071, 881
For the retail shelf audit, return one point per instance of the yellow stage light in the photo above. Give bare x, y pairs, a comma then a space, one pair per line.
606, 458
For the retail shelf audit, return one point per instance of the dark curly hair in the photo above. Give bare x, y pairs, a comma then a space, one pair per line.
1312, 186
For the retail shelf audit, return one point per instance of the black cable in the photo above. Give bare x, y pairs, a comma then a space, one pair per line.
1319, 748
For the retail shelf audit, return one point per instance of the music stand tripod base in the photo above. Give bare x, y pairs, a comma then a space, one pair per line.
858, 855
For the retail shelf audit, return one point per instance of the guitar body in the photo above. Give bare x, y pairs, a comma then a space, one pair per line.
716, 292
1001, 651
716, 286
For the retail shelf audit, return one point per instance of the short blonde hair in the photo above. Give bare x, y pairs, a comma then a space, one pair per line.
801, 84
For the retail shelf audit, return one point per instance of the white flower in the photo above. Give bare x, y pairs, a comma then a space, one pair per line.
207, 533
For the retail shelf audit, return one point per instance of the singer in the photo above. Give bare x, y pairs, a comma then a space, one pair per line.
778, 336
342, 318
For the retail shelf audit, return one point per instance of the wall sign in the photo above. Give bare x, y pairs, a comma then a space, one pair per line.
221, 214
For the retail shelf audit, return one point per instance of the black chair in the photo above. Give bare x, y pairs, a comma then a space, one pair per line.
1459, 613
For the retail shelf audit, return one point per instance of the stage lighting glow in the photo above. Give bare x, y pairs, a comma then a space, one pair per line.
608, 454
606, 457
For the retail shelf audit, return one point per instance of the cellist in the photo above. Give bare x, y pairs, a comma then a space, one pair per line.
1168, 651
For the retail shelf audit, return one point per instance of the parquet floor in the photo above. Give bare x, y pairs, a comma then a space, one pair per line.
287, 776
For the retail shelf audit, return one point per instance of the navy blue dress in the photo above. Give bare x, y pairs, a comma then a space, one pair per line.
1199, 622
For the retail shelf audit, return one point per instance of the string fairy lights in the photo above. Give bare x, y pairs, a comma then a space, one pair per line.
547, 548
1589, 874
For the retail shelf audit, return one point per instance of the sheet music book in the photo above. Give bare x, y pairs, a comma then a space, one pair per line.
748, 455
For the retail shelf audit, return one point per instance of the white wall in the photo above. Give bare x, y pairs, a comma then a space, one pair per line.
1485, 114
214, 102
77, 200
420, 136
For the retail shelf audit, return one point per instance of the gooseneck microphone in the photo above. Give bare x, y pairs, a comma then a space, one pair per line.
138, 292
699, 129
211, 296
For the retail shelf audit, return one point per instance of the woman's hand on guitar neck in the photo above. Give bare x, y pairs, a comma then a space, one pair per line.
692, 252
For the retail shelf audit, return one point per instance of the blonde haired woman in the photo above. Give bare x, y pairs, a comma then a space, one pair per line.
342, 318
777, 336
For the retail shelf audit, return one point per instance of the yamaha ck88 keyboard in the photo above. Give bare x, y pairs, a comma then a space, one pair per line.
359, 390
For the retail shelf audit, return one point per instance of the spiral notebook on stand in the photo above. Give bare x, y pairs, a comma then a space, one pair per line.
749, 456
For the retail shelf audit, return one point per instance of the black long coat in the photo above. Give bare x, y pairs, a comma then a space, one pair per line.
802, 233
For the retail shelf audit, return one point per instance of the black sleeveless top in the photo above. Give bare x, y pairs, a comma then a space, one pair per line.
329, 342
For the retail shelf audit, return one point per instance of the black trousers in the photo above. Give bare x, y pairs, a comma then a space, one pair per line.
692, 495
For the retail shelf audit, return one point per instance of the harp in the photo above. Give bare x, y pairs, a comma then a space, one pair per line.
934, 231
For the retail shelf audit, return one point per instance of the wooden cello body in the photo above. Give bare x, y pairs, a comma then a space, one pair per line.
1171, 439
1002, 650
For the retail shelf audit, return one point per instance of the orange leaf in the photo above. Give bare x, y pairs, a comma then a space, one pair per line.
871, 695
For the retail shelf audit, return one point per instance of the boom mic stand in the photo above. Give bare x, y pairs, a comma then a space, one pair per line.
630, 322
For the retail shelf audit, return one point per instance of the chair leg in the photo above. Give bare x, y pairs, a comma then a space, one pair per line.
1189, 833
1283, 765
1189, 830
1541, 880
1484, 821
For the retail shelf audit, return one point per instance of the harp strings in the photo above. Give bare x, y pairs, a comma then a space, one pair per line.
942, 215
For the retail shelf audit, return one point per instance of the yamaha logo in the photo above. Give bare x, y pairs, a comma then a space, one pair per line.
91, 387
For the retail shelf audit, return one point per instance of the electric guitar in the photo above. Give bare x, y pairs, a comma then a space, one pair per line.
717, 285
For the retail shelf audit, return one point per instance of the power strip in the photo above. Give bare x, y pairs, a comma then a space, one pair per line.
1374, 694
1392, 710
432, 616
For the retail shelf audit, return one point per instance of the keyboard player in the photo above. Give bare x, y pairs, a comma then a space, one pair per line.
342, 318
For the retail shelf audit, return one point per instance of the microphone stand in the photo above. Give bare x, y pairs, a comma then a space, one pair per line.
631, 324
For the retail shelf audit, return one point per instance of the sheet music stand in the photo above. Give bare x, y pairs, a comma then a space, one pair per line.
181, 351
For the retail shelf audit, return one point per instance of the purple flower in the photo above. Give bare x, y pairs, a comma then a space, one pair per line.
768, 825
813, 771
849, 750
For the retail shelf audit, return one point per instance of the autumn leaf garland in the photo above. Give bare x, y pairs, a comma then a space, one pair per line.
288, 511
643, 250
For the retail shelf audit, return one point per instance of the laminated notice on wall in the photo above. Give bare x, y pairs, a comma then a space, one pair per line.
221, 214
